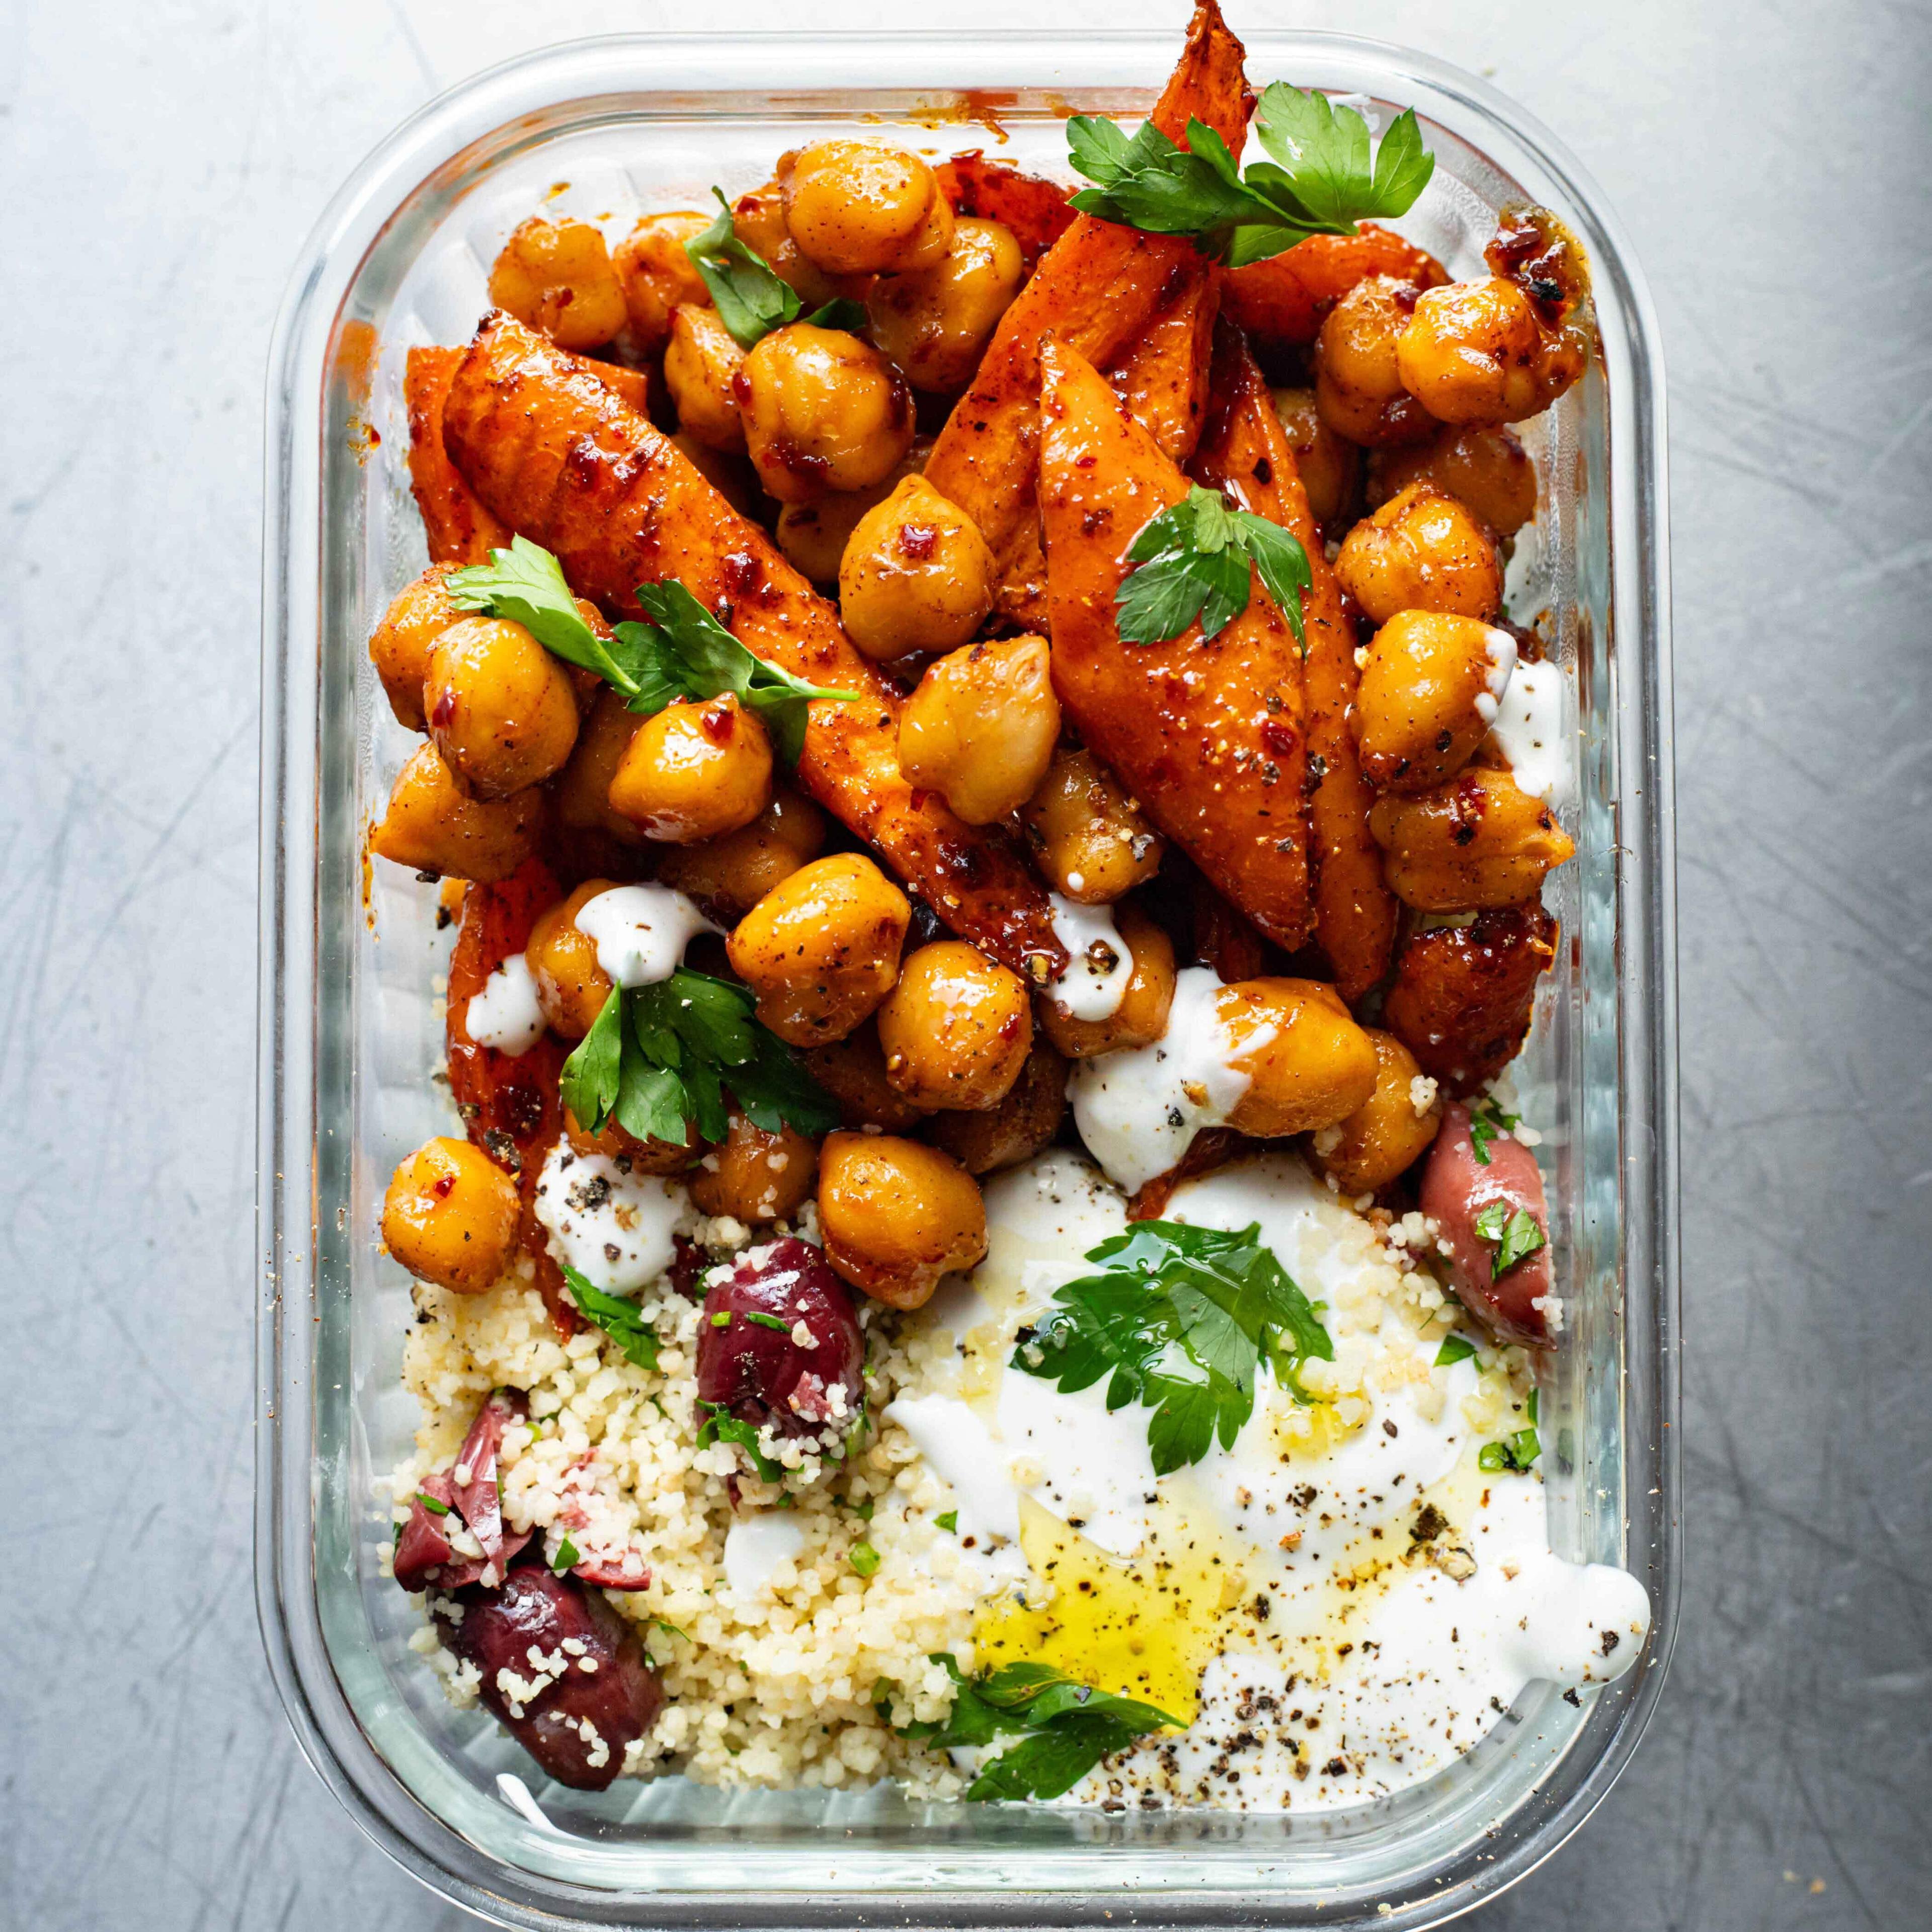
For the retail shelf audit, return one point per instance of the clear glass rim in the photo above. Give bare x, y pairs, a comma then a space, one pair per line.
626, 70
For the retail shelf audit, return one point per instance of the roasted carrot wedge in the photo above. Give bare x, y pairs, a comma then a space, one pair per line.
1097, 289
1244, 452
551, 451
1287, 298
1206, 732
460, 529
1162, 377
1032, 207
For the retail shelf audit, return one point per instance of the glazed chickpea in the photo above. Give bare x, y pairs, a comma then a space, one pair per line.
582, 789
1476, 352
956, 1029
450, 1216
935, 322
1088, 835
1018, 1127
821, 950
1428, 696
758, 218
556, 276
1141, 1018
694, 771
755, 1176
1475, 842
916, 575
821, 410
813, 535
732, 874
1309, 1064
400, 645
501, 709
1420, 551
1387, 1134
656, 274
856, 209
1331, 468
702, 360
1483, 467
571, 987
853, 1071
647, 1156
433, 825
1358, 387
896, 1216
981, 727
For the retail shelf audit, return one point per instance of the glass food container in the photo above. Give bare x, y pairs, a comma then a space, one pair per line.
351, 1030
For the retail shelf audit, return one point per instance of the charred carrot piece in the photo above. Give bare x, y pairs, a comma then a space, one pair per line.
1244, 451
1207, 733
460, 529
1097, 289
551, 450
1287, 298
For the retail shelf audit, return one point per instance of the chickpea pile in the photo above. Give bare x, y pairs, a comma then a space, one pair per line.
944, 1066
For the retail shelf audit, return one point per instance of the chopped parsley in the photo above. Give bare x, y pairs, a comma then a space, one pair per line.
1179, 1321
1513, 1455
566, 1557
1321, 180
764, 1320
949, 1521
1514, 1236
1191, 562
680, 652
671, 1629
659, 1056
1455, 1348
720, 1425
429, 1503
1486, 1121
864, 1558
623, 1320
1065, 1728
752, 299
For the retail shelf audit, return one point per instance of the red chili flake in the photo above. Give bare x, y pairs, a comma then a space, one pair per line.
917, 542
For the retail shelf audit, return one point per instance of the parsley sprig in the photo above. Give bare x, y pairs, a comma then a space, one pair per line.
1515, 1236
720, 1425
1192, 562
1065, 1728
682, 651
751, 298
1179, 1321
623, 1320
658, 1057
1487, 1121
1321, 180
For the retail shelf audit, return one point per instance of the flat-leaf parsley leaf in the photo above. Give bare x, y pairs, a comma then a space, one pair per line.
1514, 1236
1179, 1322
623, 1320
1191, 562
752, 298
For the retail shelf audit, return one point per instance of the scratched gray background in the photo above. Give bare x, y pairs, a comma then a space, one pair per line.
163, 161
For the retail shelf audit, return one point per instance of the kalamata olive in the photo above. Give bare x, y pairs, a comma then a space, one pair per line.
576, 1710
464, 1497
754, 1358
1457, 1187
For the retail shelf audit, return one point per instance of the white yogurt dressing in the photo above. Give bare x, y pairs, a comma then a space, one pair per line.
1409, 1599
506, 1014
1137, 1110
1098, 964
1502, 652
1528, 728
754, 1547
640, 931
610, 1223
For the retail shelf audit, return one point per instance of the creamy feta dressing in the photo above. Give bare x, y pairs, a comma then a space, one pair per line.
506, 1014
640, 931
1527, 729
1502, 653
754, 1547
1139, 1110
1364, 1604
610, 1223
1098, 964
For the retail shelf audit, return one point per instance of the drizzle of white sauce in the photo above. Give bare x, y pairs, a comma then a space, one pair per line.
506, 1014
961, 1451
1502, 653
613, 1225
754, 1547
515, 1793
1528, 731
640, 931
1098, 964
1137, 1110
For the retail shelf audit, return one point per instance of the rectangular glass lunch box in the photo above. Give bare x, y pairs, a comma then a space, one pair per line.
351, 1030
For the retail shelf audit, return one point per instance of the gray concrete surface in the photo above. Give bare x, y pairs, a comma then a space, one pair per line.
161, 165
